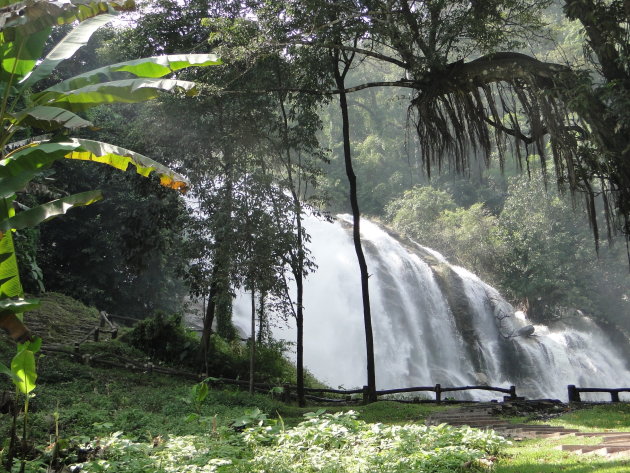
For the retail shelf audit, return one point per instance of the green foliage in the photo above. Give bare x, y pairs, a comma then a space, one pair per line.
323, 442
230, 359
23, 366
127, 246
164, 338
52, 109
342, 443
414, 213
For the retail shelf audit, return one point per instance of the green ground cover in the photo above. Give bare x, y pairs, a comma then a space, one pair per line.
596, 418
116, 420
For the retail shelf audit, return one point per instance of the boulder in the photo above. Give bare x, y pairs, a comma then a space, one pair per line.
526, 331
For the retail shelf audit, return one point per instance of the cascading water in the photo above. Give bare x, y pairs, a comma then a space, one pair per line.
433, 323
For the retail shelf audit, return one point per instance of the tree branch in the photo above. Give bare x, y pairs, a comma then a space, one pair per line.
398, 83
340, 47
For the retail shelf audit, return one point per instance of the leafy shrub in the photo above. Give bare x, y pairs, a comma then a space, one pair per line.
328, 443
164, 338
341, 443
230, 359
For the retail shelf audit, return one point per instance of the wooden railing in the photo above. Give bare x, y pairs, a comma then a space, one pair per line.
105, 326
574, 392
438, 389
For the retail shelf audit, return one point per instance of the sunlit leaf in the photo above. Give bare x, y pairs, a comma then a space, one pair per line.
119, 91
20, 56
18, 305
23, 366
120, 158
50, 118
67, 47
30, 17
150, 67
10, 286
39, 156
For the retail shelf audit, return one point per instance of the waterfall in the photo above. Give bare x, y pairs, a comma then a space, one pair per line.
433, 323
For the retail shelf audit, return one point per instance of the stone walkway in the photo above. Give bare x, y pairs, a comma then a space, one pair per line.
483, 416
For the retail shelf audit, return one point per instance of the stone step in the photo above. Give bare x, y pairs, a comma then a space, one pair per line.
578, 448
595, 449
602, 434
475, 422
552, 428
461, 416
617, 441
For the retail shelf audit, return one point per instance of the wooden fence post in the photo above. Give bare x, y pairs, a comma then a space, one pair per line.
614, 396
438, 393
512, 392
366, 395
574, 394
96, 332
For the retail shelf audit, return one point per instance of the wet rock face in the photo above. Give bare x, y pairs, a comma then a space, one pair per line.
453, 290
526, 331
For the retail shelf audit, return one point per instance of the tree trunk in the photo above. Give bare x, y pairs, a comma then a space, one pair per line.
299, 319
208, 320
263, 327
252, 351
297, 263
356, 230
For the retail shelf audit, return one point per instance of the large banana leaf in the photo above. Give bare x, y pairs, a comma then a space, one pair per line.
24, 367
66, 48
29, 17
36, 157
44, 212
120, 91
10, 286
49, 118
120, 158
18, 57
149, 67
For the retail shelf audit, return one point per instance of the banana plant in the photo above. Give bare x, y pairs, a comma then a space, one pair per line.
25, 27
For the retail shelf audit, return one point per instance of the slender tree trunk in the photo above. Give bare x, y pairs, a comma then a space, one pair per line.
299, 319
297, 264
356, 230
252, 351
208, 320
262, 319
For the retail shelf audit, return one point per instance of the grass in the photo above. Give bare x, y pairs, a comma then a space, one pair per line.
95, 402
541, 455
385, 412
597, 418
